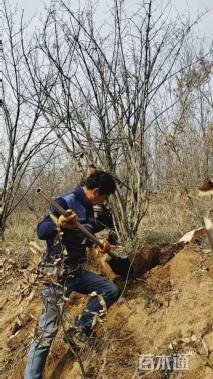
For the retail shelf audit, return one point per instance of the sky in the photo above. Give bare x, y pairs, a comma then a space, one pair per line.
194, 6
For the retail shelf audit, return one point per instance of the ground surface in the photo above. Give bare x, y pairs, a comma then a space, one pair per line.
167, 312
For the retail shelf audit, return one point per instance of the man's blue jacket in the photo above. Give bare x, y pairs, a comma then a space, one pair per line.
74, 240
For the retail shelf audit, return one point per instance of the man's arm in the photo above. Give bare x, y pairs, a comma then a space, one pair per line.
47, 228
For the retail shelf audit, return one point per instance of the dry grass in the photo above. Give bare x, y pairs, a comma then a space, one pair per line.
21, 227
169, 216
20, 231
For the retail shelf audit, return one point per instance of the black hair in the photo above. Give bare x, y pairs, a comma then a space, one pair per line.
92, 166
103, 181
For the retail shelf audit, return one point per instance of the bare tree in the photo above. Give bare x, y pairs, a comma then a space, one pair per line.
110, 79
186, 139
24, 135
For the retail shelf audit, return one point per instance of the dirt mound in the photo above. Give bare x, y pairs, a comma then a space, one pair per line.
166, 313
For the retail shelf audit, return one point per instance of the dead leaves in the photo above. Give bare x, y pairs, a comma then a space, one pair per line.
7, 268
102, 312
20, 322
21, 281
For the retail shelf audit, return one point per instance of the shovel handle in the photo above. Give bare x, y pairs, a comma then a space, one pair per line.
62, 211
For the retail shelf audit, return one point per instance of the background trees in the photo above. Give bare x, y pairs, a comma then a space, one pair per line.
25, 137
131, 95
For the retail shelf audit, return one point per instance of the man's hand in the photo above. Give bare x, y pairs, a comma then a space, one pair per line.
68, 221
106, 247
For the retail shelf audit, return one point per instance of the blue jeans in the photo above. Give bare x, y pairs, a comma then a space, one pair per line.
84, 282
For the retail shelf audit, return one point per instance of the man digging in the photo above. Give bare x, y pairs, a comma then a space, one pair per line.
97, 188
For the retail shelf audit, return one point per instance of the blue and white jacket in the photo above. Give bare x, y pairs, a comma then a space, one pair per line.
74, 240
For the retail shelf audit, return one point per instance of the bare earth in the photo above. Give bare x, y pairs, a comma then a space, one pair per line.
166, 312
